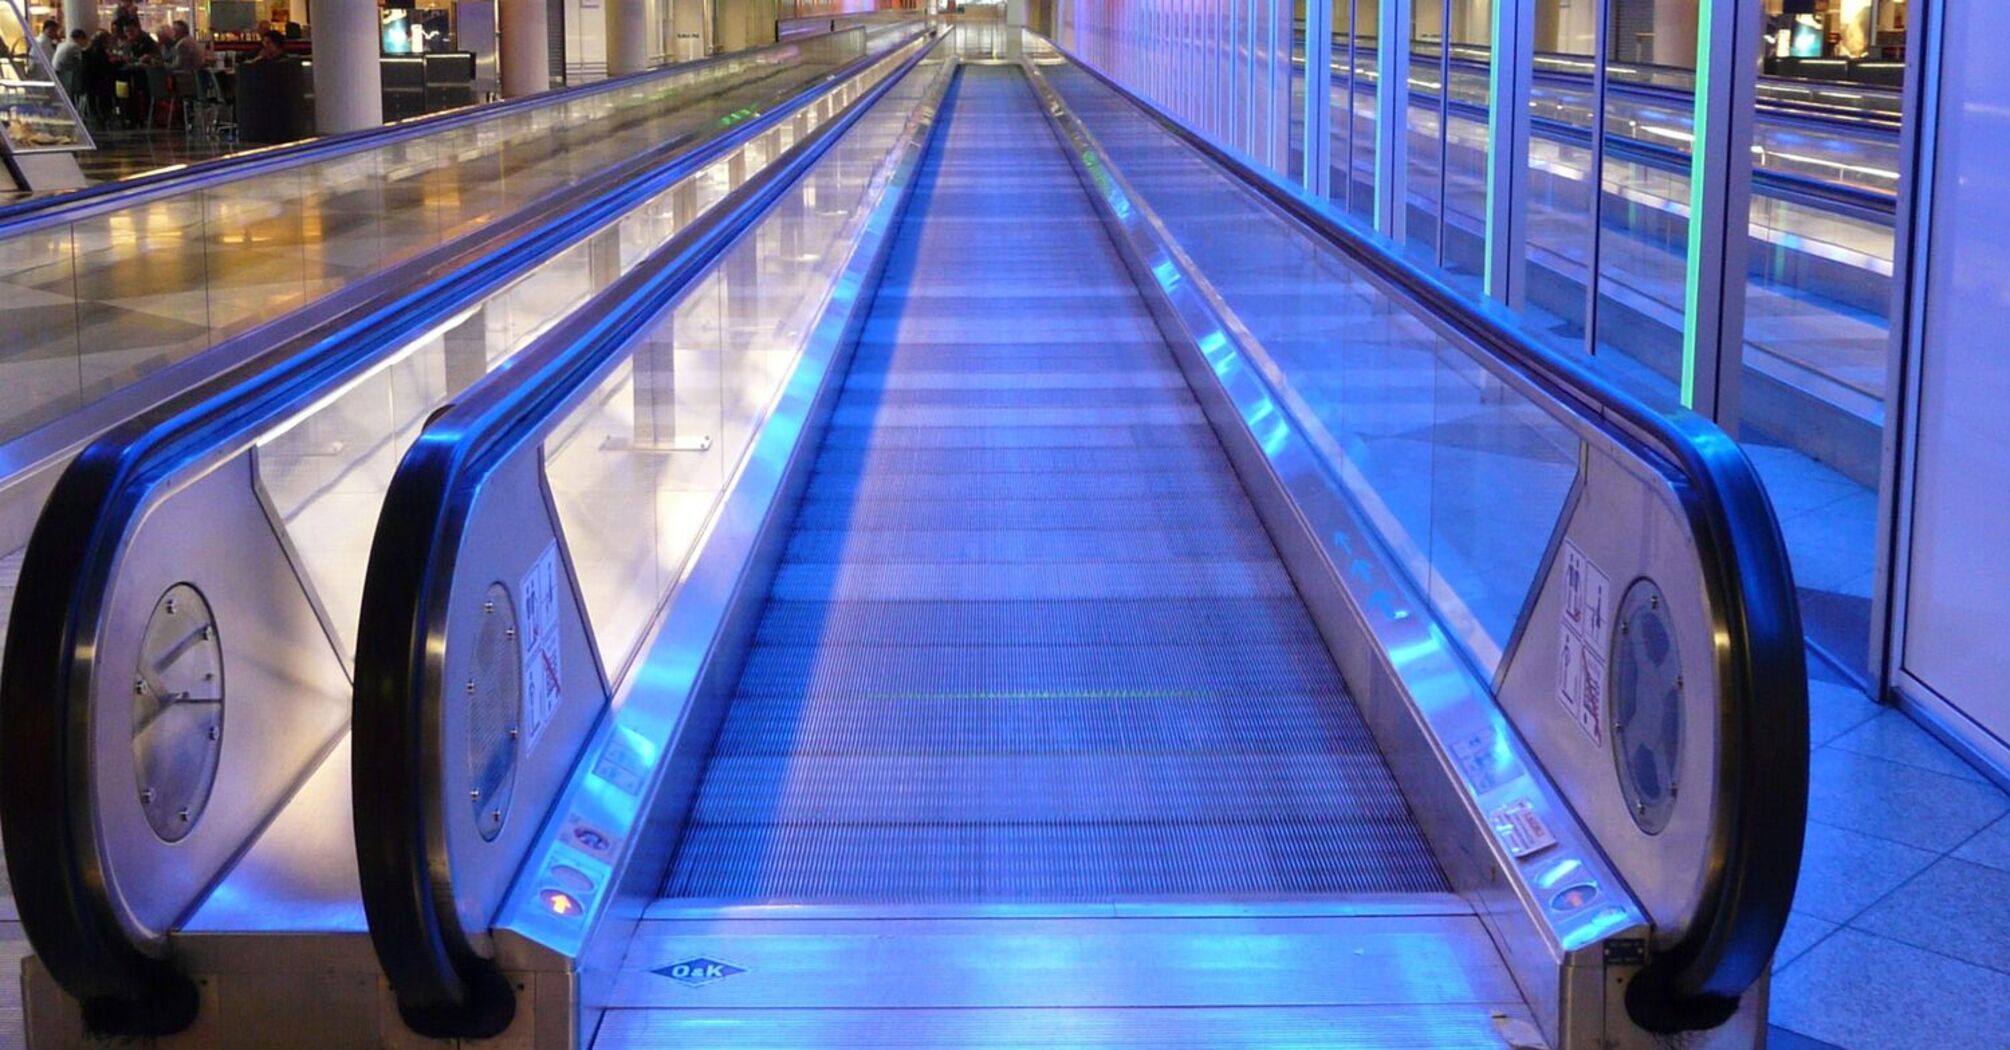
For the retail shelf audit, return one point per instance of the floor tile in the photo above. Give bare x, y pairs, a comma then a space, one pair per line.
1898, 802
1778, 1038
1991, 846
1835, 708
1954, 908
1864, 992
1844, 872
1893, 735
1803, 931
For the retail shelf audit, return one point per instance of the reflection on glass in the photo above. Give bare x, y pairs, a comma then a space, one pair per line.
1561, 206
1299, 71
1352, 153
1470, 69
1814, 380
638, 466
120, 294
1643, 241
1423, 183
1460, 473
327, 471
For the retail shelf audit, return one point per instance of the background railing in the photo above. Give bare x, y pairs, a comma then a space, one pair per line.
115, 284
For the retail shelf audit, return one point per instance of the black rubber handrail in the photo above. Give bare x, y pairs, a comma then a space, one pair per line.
1762, 787
47, 819
444, 986
37, 212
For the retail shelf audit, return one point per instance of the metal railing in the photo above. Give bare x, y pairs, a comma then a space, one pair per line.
59, 694
1750, 825
437, 854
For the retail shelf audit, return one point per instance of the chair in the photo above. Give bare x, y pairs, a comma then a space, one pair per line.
170, 95
215, 113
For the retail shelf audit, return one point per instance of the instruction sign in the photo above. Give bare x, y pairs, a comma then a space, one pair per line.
1581, 642
538, 638
1520, 829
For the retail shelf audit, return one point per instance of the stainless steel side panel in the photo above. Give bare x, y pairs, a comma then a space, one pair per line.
285, 703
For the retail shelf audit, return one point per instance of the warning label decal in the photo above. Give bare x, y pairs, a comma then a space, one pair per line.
1582, 642
538, 635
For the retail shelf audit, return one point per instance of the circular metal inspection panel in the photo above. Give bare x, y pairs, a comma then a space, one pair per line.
178, 712
494, 691
1646, 714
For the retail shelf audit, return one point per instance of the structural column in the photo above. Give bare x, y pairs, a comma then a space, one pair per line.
627, 35
1720, 207
1675, 31
689, 21
80, 14
1392, 119
1318, 102
745, 23
348, 82
1510, 79
525, 29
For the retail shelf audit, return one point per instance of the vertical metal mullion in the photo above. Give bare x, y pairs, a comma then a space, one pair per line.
1444, 130
1318, 144
1353, 87
1720, 207
1187, 111
1245, 79
1231, 97
1911, 265
1392, 116
1510, 79
1601, 44
1279, 66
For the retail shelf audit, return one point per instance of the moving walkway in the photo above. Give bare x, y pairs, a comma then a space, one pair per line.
222, 538
119, 297
1012, 575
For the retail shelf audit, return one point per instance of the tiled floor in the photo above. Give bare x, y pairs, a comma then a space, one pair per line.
1900, 930
123, 153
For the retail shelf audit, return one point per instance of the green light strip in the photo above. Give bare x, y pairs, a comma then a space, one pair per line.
1692, 292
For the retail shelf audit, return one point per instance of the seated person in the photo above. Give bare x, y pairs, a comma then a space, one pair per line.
139, 52
271, 47
137, 46
100, 78
186, 56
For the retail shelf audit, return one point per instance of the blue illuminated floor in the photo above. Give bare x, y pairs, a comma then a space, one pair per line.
1029, 641
1036, 743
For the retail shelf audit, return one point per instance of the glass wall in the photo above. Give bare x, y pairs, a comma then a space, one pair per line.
1226, 70
1643, 218
1351, 108
1450, 63
1562, 209
1424, 177
1468, 106
1600, 223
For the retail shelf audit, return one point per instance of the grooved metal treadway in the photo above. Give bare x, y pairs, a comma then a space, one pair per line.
1029, 641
